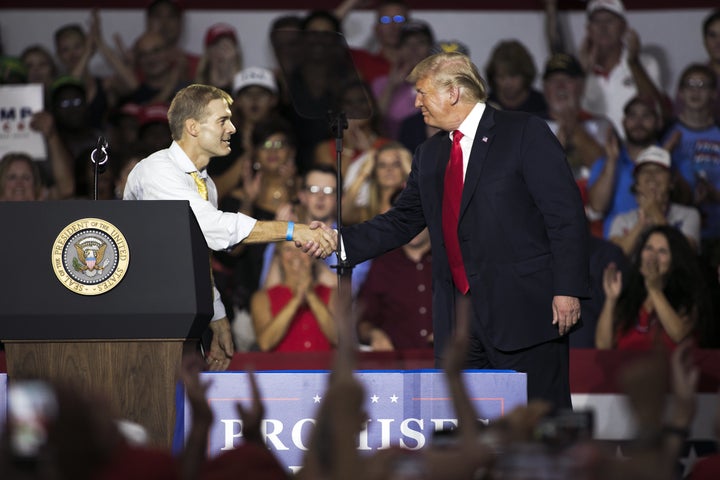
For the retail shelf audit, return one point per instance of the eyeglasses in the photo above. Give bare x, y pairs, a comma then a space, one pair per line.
273, 144
318, 189
387, 19
695, 83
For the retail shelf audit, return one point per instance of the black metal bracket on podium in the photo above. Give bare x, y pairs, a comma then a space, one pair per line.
125, 343
99, 160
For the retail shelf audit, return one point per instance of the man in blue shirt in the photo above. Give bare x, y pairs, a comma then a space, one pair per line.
611, 177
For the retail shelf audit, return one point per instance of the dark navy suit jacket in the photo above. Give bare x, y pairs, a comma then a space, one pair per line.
522, 229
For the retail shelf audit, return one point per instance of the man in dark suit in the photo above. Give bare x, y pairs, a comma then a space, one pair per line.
517, 241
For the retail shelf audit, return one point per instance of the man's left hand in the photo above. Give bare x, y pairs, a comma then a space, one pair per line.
566, 312
221, 346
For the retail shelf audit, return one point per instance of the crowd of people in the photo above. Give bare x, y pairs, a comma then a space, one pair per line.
603, 102
62, 432
646, 163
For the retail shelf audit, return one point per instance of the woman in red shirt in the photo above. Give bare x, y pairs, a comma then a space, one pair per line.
662, 300
294, 315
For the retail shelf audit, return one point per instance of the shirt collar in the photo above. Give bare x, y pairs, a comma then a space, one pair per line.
469, 126
183, 162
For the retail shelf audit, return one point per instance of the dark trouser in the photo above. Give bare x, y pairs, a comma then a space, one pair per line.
547, 365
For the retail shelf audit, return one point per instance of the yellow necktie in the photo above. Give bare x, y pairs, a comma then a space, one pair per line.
203, 191
201, 185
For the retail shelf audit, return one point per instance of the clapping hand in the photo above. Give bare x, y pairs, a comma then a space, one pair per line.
705, 191
632, 42
300, 279
650, 270
612, 281
252, 181
650, 207
43, 122
684, 378
252, 417
195, 388
587, 54
612, 146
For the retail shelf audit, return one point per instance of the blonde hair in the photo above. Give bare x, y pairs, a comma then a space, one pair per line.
192, 102
205, 64
374, 194
452, 69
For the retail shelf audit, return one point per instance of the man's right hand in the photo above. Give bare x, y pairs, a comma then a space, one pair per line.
316, 239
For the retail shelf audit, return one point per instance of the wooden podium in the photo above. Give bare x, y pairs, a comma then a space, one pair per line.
104, 295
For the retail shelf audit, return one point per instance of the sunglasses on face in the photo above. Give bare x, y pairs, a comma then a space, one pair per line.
70, 102
387, 19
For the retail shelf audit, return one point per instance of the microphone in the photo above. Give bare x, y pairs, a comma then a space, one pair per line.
99, 156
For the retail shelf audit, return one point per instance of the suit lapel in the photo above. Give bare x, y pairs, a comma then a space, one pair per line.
481, 145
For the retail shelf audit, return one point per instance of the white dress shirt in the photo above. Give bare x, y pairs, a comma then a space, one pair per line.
468, 128
165, 175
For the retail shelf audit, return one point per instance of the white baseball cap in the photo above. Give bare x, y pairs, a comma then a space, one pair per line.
261, 77
652, 154
614, 6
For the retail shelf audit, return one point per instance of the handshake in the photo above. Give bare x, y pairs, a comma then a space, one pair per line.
317, 239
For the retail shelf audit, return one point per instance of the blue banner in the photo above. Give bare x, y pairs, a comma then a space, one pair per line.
403, 407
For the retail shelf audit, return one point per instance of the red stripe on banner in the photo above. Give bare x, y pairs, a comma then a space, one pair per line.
596, 371
591, 371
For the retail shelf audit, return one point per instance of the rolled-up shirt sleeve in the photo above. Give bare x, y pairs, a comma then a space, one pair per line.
165, 175
221, 229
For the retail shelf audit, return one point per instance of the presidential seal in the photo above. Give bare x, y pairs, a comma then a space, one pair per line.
90, 256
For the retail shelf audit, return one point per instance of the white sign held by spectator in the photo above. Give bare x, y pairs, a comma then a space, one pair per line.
18, 103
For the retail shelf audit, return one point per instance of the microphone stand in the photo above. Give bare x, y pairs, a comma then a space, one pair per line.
99, 158
338, 123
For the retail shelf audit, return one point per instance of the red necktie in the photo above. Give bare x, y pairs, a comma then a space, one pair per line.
452, 193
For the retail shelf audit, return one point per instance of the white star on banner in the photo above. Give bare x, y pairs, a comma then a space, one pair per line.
689, 460
394, 398
374, 399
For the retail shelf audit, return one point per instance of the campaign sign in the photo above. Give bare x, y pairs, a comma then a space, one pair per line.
404, 407
18, 103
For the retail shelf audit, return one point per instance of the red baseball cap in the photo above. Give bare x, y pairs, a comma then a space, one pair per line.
215, 32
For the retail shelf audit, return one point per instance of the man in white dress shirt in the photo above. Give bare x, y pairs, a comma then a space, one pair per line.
199, 119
